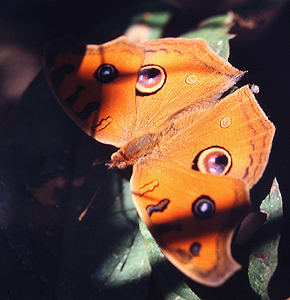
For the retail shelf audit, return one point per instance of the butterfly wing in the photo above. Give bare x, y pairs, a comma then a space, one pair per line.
180, 136
96, 85
195, 78
193, 212
192, 216
236, 126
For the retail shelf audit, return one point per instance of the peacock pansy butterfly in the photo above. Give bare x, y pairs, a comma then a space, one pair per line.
195, 152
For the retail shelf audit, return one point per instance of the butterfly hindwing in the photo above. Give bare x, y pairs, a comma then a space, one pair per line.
192, 216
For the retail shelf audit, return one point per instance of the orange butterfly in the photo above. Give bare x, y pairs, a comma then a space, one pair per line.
195, 153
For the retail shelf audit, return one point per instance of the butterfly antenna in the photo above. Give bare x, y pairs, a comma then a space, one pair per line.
97, 162
93, 198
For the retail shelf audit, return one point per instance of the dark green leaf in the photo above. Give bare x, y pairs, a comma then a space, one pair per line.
264, 255
169, 280
215, 31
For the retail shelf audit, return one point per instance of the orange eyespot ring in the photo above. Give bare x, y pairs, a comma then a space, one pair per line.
214, 160
151, 78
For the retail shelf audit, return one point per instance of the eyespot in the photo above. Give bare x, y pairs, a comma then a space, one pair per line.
195, 248
203, 207
214, 160
150, 79
106, 73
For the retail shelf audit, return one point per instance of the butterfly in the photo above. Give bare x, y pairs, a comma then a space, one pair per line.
196, 149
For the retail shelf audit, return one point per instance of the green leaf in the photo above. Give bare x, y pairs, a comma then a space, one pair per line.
127, 271
169, 280
149, 25
264, 255
215, 31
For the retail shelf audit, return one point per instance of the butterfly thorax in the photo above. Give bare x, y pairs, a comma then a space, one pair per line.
134, 150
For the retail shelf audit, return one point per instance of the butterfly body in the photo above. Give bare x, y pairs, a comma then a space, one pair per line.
195, 153
135, 150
